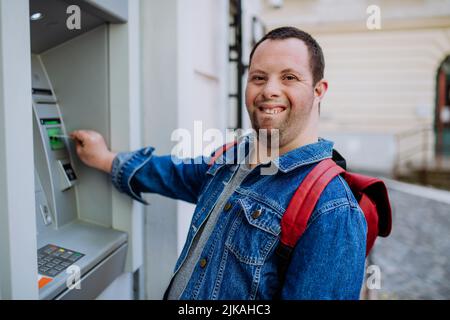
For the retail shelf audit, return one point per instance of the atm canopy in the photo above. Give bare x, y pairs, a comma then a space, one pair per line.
51, 29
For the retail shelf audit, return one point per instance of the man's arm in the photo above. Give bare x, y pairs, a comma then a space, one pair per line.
141, 171
328, 261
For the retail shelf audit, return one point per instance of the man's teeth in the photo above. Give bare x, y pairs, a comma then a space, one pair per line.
272, 110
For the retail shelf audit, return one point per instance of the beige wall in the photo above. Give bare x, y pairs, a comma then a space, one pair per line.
382, 80
184, 79
202, 79
350, 15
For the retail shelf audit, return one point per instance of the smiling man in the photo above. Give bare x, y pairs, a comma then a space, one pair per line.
285, 86
235, 229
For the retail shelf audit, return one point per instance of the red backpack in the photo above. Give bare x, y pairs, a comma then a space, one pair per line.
371, 194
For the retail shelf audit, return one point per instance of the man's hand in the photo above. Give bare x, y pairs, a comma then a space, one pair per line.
92, 150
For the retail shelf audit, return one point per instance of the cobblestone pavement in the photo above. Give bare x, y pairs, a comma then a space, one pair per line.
415, 258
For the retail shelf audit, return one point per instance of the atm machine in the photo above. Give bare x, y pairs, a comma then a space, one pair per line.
69, 249
86, 234
71, 89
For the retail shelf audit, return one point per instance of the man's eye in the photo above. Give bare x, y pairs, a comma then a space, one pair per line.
290, 77
257, 78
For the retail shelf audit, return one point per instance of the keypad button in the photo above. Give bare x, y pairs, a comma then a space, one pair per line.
75, 257
49, 250
53, 273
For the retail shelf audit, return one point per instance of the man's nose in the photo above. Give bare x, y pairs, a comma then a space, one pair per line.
272, 89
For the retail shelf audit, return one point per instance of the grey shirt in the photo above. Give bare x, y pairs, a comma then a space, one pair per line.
183, 275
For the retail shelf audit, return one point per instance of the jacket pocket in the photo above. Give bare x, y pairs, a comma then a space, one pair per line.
254, 232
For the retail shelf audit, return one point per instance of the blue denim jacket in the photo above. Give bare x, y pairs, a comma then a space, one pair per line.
327, 262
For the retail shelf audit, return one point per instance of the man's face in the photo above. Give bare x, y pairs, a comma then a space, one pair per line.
280, 92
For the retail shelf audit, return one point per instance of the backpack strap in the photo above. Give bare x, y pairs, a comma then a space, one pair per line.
221, 151
302, 204
300, 208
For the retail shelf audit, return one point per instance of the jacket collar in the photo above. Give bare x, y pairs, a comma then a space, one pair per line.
304, 155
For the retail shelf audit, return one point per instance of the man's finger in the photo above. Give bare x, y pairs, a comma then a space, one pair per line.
79, 136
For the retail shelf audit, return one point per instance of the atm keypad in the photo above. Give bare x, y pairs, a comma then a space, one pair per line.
52, 259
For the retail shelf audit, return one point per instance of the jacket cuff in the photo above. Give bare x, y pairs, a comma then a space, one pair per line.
124, 167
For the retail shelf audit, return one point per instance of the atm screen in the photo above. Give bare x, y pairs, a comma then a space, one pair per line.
54, 134
48, 122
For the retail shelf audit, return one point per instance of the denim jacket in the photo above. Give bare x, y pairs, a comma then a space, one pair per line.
239, 260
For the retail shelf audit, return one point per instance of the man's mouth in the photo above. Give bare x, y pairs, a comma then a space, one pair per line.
272, 109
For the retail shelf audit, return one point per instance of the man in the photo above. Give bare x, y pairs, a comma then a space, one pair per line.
230, 248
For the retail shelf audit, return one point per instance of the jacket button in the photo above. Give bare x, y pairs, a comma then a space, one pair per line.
256, 214
227, 206
203, 262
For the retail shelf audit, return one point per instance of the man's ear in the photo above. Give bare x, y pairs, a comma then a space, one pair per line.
320, 89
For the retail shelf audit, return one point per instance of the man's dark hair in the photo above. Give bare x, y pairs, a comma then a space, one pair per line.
316, 59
